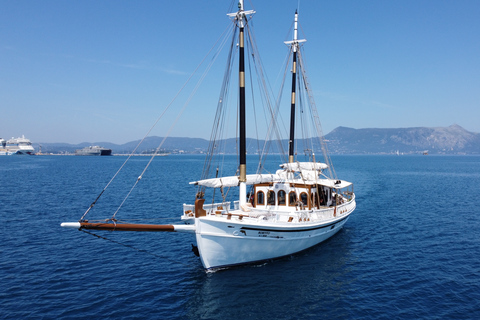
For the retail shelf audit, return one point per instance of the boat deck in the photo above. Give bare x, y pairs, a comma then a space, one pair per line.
271, 214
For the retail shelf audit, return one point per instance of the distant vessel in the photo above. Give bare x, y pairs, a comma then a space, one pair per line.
16, 146
93, 151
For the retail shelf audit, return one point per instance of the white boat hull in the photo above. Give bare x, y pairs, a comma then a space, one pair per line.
16, 152
224, 244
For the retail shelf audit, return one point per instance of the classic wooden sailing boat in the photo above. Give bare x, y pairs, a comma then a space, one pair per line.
285, 212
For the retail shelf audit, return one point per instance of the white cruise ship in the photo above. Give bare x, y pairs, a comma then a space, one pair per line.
16, 146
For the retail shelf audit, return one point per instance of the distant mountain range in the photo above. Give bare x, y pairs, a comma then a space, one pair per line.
440, 140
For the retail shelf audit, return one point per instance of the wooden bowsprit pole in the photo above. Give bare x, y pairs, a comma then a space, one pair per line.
110, 226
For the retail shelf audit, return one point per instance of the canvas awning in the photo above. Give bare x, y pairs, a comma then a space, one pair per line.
299, 166
232, 181
338, 184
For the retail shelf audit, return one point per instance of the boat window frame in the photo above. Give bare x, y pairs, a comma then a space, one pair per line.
315, 201
274, 198
290, 202
262, 198
284, 197
322, 196
306, 205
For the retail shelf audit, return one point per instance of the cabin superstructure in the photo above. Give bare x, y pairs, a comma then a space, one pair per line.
296, 188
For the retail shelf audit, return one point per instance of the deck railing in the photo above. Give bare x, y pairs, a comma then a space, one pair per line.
324, 213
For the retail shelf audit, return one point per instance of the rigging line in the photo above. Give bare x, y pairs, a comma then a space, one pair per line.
305, 129
251, 5
318, 124
132, 247
263, 83
288, 36
199, 82
274, 127
155, 123
218, 126
232, 4
252, 57
286, 64
310, 131
279, 119
213, 196
218, 139
126, 197
224, 89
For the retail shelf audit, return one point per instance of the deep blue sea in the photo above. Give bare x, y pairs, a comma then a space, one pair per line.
411, 250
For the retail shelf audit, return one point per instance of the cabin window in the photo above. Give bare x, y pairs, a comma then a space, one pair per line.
304, 198
324, 195
260, 198
282, 198
313, 199
292, 198
271, 198
317, 199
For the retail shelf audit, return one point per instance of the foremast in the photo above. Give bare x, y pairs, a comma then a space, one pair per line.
241, 19
295, 46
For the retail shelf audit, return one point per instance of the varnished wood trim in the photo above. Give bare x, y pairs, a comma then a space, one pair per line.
127, 227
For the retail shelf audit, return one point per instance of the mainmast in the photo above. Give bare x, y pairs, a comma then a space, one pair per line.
295, 47
241, 83
241, 19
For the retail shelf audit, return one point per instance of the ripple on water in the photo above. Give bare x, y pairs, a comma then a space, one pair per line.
408, 251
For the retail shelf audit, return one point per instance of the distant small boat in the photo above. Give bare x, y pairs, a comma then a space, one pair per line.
93, 151
16, 146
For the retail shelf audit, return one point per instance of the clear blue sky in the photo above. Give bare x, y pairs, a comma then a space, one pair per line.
75, 71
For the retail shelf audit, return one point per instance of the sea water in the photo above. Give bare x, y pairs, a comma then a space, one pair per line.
411, 249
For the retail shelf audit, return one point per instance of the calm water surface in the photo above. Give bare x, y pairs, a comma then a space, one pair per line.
410, 250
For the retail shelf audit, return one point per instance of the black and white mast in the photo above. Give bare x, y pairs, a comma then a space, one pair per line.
241, 19
295, 46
